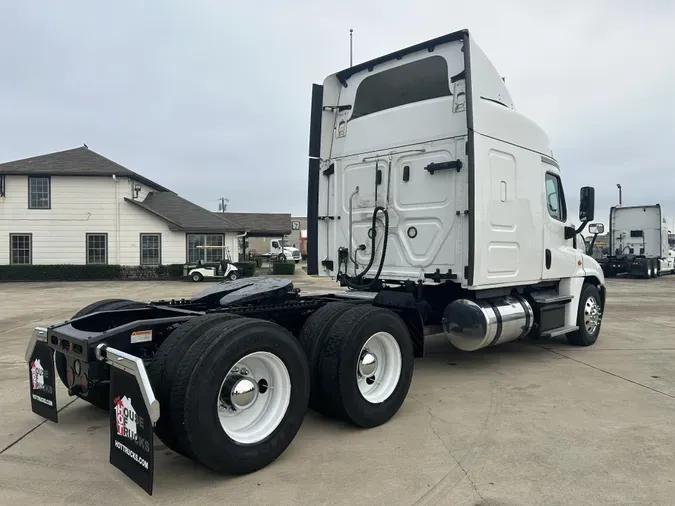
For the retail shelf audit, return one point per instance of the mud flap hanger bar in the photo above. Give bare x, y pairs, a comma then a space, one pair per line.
132, 365
39, 334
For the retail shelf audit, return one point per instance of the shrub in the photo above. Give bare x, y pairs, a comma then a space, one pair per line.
71, 272
247, 268
287, 267
59, 272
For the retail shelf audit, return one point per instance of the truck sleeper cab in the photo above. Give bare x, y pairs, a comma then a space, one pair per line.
427, 174
441, 209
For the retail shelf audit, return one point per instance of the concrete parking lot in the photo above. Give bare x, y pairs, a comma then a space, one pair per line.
519, 424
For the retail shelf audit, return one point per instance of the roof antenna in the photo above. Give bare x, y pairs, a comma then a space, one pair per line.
86, 146
351, 31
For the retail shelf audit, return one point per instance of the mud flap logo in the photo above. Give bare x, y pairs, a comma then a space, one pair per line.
42, 387
37, 374
131, 432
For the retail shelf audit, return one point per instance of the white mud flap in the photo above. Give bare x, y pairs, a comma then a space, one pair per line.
42, 376
133, 413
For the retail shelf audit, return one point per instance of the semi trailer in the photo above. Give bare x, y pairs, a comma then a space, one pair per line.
435, 204
638, 243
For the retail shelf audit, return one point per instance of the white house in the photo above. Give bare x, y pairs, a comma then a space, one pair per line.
77, 207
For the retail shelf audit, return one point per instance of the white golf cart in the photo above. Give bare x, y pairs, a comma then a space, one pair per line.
219, 269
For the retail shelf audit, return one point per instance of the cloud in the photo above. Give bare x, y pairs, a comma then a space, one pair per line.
212, 98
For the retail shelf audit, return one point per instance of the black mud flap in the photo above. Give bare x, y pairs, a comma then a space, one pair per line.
42, 378
131, 431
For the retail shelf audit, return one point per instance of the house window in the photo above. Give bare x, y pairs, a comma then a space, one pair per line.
555, 198
213, 251
151, 249
21, 248
406, 84
39, 192
2, 185
97, 248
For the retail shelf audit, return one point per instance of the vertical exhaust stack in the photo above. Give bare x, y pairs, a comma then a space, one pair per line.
313, 180
474, 324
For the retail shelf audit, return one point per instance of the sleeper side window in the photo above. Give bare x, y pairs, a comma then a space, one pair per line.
555, 199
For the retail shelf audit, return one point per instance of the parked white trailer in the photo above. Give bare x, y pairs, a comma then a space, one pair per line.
638, 242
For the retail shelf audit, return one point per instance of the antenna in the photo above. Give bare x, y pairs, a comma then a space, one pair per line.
222, 204
351, 47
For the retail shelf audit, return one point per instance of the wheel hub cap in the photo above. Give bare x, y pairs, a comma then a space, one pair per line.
243, 393
367, 364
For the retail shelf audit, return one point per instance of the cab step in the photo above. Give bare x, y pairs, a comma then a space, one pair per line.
558, 332
545, 298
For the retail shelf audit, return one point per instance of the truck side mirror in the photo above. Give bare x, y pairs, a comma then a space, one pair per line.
587, 204
596, 228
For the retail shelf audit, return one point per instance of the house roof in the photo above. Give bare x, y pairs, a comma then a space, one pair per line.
80, 161
260, 224
182, 214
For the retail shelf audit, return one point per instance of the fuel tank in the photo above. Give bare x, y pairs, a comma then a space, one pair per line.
474, 324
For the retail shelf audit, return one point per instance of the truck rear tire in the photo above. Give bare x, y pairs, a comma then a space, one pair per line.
366, 366
312, 339
648, 269
162, 369
240, 395
98, 395
589, 317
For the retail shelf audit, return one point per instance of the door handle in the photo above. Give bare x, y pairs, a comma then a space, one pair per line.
548, 258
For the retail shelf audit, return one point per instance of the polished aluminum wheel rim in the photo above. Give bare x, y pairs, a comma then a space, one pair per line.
592, 315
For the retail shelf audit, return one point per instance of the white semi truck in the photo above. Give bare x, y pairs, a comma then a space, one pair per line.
430, 196
282, 249
638, 242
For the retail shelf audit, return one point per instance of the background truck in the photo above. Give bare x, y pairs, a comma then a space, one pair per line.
282, 249
638, 242
455, 221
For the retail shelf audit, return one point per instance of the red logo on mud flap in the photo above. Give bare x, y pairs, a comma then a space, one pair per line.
37, 374
125, 418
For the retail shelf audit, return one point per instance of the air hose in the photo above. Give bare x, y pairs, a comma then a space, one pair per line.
358, 286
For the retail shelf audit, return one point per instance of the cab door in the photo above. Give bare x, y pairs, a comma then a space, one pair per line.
560, 255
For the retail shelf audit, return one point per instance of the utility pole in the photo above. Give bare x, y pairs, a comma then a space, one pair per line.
620, 199
351, 47
222, 204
